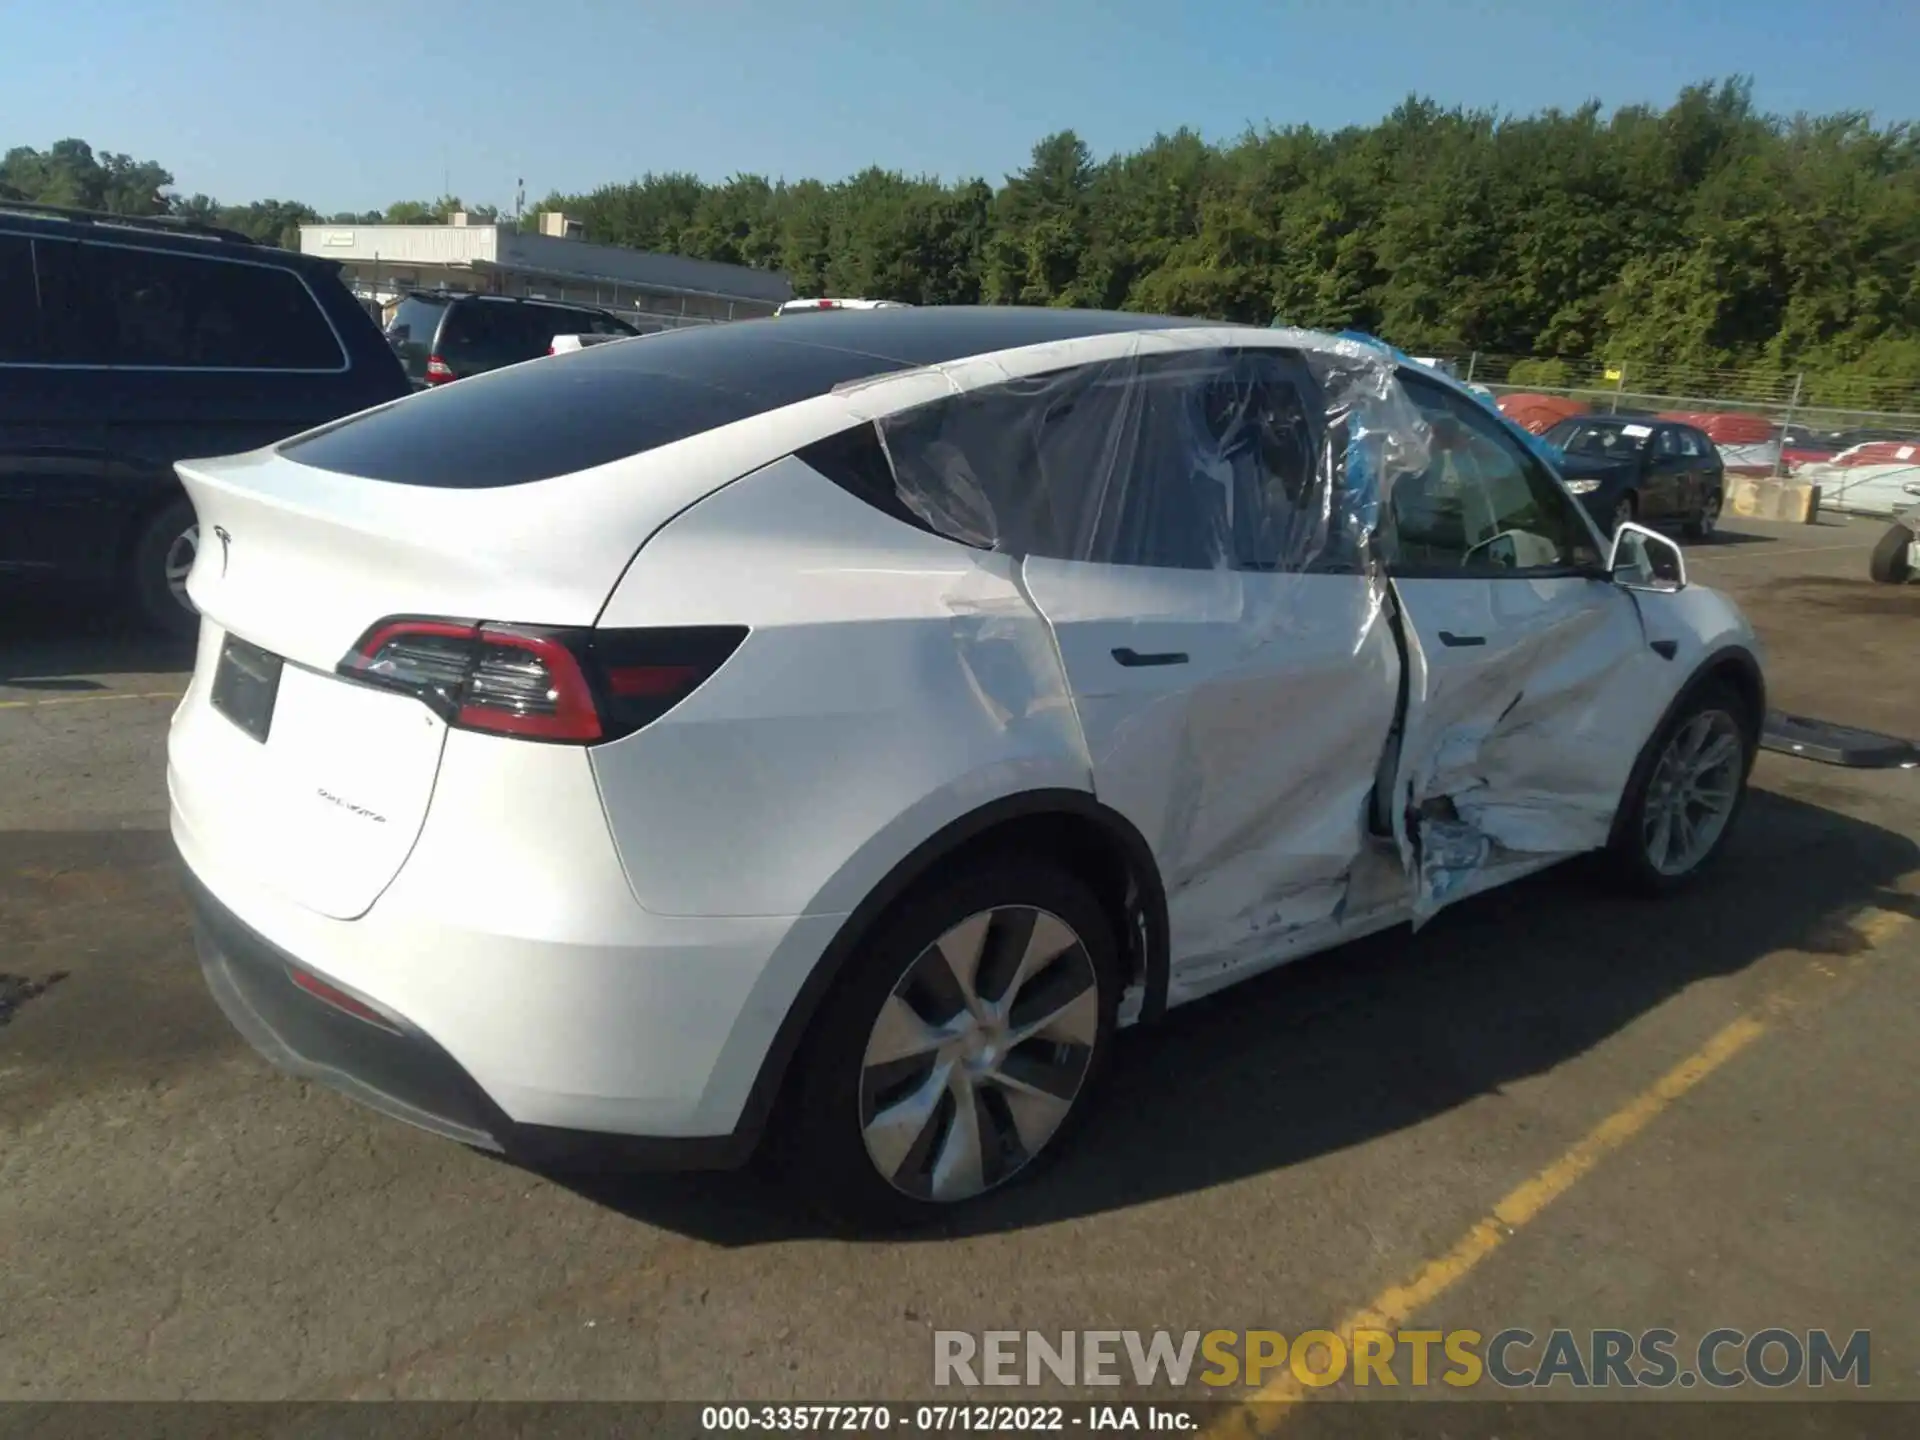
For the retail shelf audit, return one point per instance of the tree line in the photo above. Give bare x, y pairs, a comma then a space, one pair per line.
1706, 234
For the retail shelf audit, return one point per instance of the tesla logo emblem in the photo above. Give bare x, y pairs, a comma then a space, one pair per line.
226, 548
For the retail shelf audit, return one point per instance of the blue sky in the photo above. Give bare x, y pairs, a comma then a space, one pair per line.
335, 103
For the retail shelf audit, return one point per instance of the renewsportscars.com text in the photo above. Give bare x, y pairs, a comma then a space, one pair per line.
1511, 1359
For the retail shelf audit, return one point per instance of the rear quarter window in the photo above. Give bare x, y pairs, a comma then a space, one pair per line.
604, 403
414, 322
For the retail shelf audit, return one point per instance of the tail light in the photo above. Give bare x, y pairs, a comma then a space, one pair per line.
565, 686
438, 371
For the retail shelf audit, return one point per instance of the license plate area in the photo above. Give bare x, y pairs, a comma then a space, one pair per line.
245, 685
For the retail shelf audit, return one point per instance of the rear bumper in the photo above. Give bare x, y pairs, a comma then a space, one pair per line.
398, 1069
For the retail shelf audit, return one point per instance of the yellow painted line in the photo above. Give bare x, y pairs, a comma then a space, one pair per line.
90, 699
1263, 1412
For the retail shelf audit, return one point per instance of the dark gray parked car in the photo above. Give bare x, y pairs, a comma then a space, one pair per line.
440, 338
1642, 468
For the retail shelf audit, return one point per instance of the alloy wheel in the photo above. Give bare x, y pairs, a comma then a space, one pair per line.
979, 1053
179, 564
1710, 514
1622, 514
1693, 791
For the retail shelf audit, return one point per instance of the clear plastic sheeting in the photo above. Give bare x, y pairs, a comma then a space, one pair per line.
1202, 518
1193, 515
1234, 457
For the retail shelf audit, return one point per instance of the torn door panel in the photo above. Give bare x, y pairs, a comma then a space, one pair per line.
1193, 520
1525, 714
1272, 783
1007, 660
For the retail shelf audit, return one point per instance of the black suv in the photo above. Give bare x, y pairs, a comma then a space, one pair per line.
441, 337
128, 344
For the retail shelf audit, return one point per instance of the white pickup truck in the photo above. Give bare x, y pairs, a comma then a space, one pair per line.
565, 344
811, 307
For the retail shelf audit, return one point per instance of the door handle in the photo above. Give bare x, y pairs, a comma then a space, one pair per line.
1164, 657
1447, 637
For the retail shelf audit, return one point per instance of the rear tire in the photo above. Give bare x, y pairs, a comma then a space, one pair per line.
162, 554
896, 1039
1892, 562
1679, 809
1702, 526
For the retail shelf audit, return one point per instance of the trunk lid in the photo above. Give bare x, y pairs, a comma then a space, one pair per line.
302, 561
323, 800
318, 786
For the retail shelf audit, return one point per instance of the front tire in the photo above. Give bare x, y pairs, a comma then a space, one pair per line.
163, 555
1625, 511
959, 1051
1686, 792
1892, 560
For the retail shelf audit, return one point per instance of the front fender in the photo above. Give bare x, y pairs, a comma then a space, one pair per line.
1698, 629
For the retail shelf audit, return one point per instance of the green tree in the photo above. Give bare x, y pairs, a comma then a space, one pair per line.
1704, 234
69, 173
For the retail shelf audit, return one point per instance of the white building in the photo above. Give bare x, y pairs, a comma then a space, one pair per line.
383, 262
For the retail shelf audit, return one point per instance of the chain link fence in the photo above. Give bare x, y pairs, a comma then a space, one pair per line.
1814, 416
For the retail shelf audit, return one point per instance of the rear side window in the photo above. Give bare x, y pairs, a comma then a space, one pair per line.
78, 320
1194, 461
485, 329
540, 323
150, 309
19, 306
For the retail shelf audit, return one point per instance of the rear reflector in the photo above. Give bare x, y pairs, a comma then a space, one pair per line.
634, 681
564, 686
340, 1000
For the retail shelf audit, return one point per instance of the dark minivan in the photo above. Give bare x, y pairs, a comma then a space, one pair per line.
127, 344
441, 337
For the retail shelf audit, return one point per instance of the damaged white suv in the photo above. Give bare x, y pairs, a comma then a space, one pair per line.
828, 732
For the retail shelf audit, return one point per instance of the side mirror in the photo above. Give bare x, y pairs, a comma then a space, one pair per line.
1513, 550
1644, 559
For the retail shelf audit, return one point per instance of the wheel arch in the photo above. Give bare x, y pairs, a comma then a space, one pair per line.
1734, 666
137, 516
1095, 842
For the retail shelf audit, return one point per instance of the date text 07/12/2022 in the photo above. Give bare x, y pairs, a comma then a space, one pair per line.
946, 1419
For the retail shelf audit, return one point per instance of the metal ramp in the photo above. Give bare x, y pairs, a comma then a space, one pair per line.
1832, 744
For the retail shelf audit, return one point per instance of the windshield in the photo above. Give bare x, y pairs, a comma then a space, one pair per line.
1577, 437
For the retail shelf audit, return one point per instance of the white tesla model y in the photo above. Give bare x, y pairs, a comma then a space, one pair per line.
815, 738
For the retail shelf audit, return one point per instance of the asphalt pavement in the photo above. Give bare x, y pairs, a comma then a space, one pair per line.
1548, 1108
